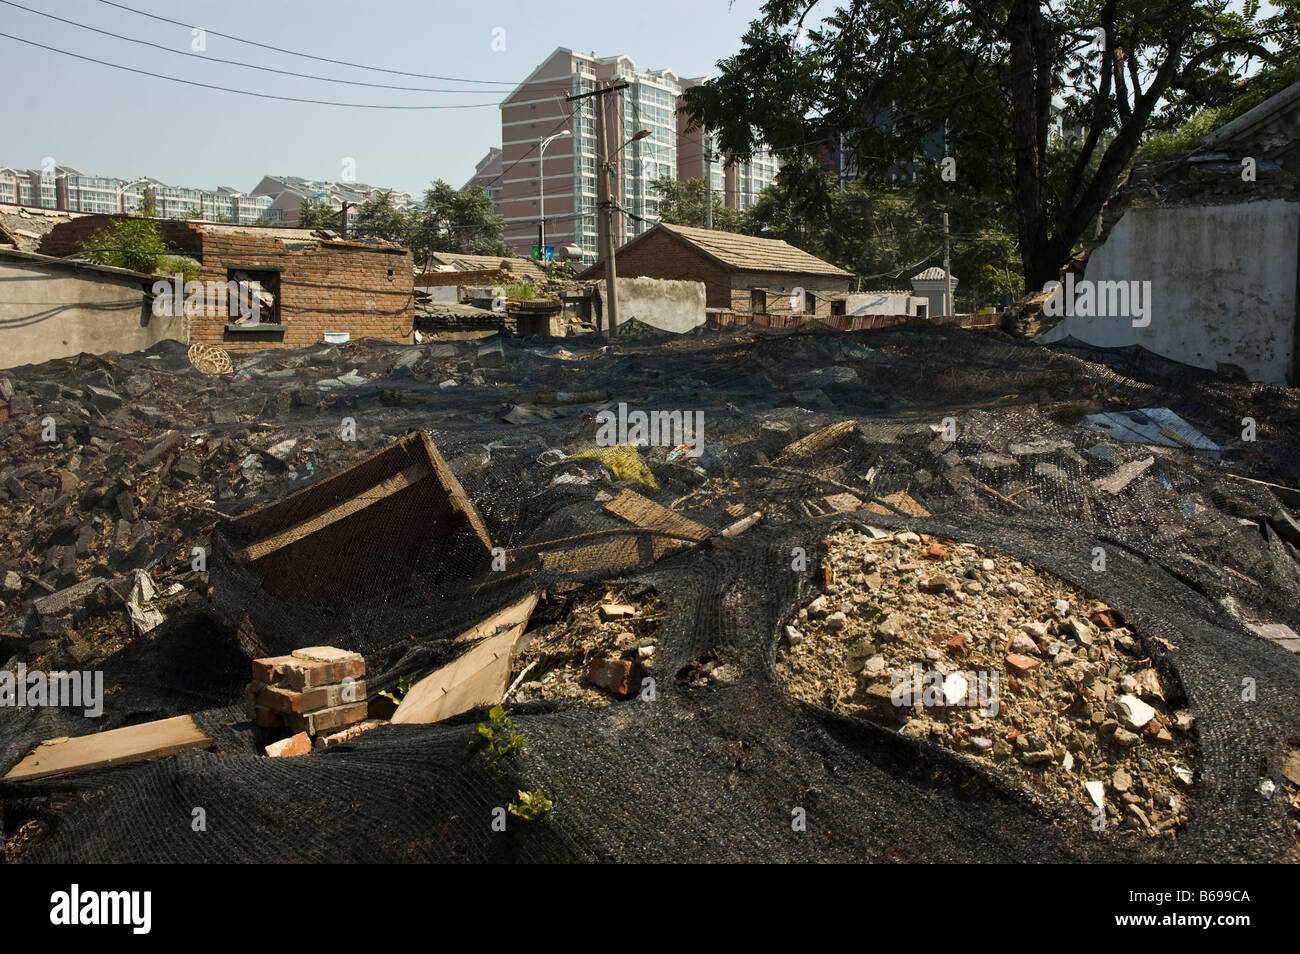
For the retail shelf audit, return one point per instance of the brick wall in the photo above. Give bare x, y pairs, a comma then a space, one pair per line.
779, 287
367, 293
482, 276
660, 255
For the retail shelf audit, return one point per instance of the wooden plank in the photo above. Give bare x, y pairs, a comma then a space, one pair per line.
817, 441
478, 677
645, 513
381, 491
135, 743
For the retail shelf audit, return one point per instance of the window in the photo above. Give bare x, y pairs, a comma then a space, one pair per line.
757, 302
253, 300
920, 311
809, 302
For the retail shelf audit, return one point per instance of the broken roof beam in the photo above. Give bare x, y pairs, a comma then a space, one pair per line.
134, 743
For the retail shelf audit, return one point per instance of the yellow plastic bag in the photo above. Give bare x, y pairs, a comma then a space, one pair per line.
623, 462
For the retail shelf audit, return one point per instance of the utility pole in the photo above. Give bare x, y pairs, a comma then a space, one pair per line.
708, 181
604, 195
948, 306
343, 221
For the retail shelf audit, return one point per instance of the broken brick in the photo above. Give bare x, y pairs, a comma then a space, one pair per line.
619, 676
299, 744
1021, 663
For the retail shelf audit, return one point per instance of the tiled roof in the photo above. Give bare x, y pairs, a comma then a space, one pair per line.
748, 253
515, 264
932, 274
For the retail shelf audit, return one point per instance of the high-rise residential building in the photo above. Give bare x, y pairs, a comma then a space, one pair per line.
537, 109
738, 183
487, 174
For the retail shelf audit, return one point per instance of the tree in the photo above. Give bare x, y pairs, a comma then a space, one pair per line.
127, 243
377, 218
682, 203
453, 221
992, 85
317, 215
148, 203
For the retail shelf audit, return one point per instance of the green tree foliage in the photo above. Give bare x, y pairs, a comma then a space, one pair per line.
453, 221
377, 218
682, 203
149, 203
997, 86
317, 215
127, 243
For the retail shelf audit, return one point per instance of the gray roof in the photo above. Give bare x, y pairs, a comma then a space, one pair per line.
748, 253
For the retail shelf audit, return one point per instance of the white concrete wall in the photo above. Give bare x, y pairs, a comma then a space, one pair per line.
883, 303
53, 313
669, 305
1223, 285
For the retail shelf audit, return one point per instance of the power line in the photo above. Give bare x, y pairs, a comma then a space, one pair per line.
217, 59
242, 92
309, 56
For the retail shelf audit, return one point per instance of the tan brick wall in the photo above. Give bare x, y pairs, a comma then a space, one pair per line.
780, 286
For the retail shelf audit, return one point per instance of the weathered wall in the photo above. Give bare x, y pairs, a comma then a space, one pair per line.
675, 306
1223, 285
884, 303
48, 312
779, 287
660, 255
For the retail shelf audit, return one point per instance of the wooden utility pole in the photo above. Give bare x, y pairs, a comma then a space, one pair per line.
708, 181
604, 198
948, 305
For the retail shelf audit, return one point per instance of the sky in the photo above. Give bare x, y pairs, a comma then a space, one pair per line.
110, 122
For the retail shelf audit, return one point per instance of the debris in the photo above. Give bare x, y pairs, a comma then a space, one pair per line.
311, 690
135, 743
209, 359
897, 503
477, 677
1123, 476
616, 610
1153, 425
299, 744
816, 442
624, 462
1021, 663
741, 525
144, 616
1138, 713
403, 500
619, 676
645, 513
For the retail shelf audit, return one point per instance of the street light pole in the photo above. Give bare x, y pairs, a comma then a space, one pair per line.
541, 185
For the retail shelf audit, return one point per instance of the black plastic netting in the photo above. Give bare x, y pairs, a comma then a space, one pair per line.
714, 773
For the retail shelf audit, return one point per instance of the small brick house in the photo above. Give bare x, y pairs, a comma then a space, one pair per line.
311, 284
742, 273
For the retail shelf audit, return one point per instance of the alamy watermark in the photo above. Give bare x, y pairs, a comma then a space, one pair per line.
651, 429
931, 687
1089, 299
176, 297
83, 690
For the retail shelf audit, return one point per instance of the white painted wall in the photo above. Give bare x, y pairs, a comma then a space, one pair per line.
1223, 285
884, 303
662, 303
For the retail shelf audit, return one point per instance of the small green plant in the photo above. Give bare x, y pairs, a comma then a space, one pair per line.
179, 264
399, 693
499, 731
519, 291
128, 243
531, 805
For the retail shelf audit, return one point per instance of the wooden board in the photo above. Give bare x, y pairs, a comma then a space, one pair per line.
478, 677
645, 513
135, 743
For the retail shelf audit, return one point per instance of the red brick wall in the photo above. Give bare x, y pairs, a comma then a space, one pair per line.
482, 276
660, 255
322, 287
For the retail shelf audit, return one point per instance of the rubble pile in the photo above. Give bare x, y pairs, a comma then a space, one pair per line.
1001, 662
597, 651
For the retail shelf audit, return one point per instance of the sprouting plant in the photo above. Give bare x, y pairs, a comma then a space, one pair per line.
500, 734
398, 694
531, 805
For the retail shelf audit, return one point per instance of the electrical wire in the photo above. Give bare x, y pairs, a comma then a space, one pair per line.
242, 92
309, 56
217, 59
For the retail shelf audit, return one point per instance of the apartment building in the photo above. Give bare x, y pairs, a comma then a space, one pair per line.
288, 193
487, 174
739, 183
536, 109
26, 187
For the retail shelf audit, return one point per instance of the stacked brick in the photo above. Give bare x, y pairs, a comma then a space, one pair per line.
315, 690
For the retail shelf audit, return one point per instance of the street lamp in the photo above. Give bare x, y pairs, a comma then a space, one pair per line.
117, 198
541, 186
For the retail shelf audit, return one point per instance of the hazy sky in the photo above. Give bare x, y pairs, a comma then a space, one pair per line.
109, 122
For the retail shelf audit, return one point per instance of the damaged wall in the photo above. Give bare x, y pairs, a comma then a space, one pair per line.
1223, 285
52, 310
675, 306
